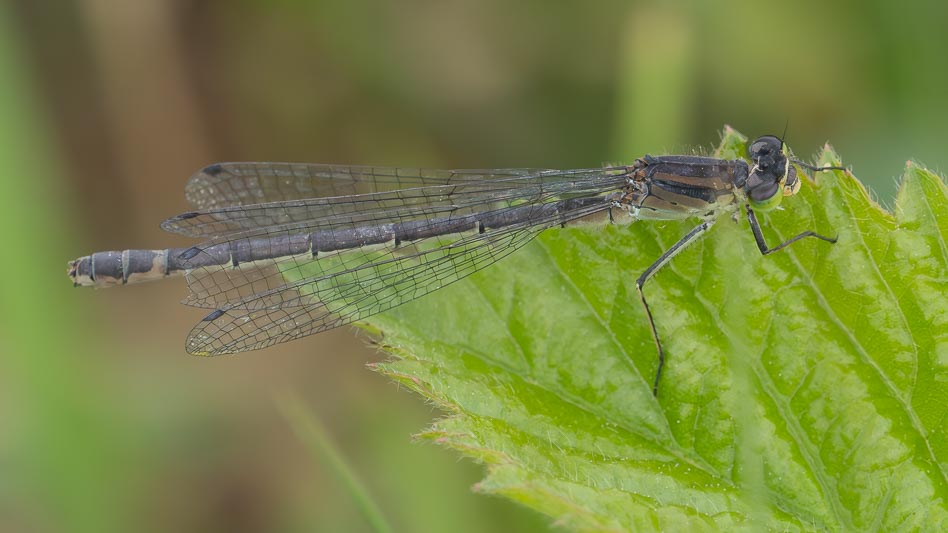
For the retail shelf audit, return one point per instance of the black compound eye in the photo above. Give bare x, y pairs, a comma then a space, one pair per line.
767, 155
764, 148
765, 186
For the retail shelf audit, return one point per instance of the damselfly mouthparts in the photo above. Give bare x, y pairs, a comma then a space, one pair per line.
295, 249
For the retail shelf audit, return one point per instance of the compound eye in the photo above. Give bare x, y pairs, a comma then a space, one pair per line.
763, 147
763, 192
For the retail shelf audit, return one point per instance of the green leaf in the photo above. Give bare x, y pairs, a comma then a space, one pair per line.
803, 390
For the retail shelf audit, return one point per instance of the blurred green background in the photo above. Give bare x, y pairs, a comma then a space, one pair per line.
107, 107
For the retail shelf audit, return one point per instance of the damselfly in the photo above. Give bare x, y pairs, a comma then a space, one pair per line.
295, 249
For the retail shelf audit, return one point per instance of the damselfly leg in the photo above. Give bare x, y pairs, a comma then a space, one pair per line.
683, 243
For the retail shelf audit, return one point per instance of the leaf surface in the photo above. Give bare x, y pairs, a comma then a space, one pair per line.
803, 390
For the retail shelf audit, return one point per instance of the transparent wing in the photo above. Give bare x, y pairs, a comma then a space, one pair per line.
233, 184
364, 229
339, 292
232, 197
284, 269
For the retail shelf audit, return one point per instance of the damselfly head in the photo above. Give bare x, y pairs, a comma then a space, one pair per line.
771, 175
768, 155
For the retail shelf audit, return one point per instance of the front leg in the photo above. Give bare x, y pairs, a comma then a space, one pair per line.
762, 244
